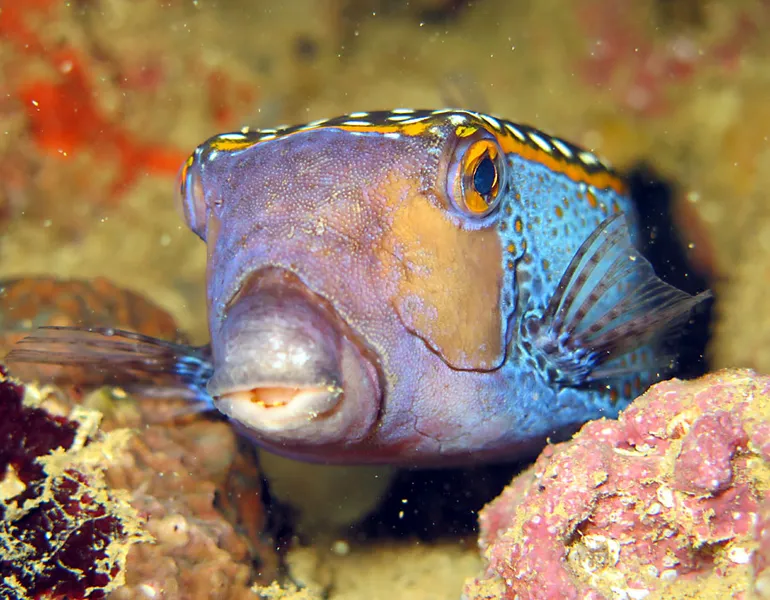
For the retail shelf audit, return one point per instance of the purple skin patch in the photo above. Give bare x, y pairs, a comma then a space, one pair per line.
432, 287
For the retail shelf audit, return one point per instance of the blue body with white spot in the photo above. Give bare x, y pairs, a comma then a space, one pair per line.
414, 287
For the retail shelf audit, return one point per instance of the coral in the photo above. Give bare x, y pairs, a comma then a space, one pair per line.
63, 115
197, 491
64, 119
663, 502
95, 99
31, 302
63, 531
639, 70
70, 520
761, 558
180, 474
289, 592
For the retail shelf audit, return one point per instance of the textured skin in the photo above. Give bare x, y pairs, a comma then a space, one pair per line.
358, 209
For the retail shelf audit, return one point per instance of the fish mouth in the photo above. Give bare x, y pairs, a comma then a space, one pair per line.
289, 368
276, 408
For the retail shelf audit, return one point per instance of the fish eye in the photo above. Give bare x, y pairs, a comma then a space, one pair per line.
476, 175
485, 177
190, 201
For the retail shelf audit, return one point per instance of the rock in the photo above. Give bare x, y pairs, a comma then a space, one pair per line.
669, 500
197, 491
63, 530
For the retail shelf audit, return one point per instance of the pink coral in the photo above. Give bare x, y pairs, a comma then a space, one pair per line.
668, 497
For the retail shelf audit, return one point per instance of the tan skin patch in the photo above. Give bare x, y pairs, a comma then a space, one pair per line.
451, 300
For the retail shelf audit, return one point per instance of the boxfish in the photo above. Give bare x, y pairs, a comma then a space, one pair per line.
411, 287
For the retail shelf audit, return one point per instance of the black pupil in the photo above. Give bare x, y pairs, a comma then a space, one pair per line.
484, 177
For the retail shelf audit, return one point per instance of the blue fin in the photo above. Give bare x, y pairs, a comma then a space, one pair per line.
102, 356
608, 302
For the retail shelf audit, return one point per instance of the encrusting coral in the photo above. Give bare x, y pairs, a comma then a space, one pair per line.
63, 530
669, 501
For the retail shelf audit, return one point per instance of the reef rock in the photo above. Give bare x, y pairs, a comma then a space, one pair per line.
107, 494
63, 531
670, 501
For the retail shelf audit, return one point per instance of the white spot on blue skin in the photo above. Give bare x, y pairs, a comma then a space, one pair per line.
402, 111
414, 120
268, 137
457, 119
358, 115
392, 136
357, 123
268, 131
397, 118
588, 158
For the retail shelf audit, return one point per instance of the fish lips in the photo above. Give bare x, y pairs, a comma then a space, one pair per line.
289, 369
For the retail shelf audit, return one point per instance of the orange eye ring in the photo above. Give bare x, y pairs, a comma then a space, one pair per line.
477, 176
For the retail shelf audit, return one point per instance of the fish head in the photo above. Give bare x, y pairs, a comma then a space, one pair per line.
353, 264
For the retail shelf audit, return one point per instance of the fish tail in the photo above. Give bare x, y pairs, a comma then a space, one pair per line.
608, 303
103, 356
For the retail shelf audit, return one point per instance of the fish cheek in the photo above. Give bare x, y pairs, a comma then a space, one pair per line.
213, 229
450, 295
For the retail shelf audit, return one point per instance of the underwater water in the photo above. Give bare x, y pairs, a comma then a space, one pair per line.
102, 103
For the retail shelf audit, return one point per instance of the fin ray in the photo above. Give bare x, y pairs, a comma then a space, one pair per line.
106, 356
609, 302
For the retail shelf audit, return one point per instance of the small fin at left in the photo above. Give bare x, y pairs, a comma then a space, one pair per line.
608, 302
103, 356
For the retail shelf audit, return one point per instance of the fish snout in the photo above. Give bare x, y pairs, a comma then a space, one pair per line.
288, 368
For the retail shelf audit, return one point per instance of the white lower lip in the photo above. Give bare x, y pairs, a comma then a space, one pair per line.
279, 409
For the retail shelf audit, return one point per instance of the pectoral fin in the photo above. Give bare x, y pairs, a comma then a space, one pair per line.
608, 302
102, 356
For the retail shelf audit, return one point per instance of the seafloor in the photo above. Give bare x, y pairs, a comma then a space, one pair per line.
101, 101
